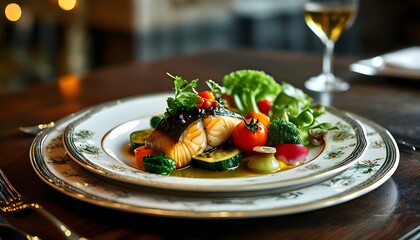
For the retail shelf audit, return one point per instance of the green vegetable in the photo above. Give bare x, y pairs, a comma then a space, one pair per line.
154, 121
159, 163
304, 119
137, 138
247, 87
219, 159
281, 131
185, 96
316, 134
215, 88
293, 105
290, 103
263, 163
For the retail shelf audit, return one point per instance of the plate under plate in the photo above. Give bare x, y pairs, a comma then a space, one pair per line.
51, 164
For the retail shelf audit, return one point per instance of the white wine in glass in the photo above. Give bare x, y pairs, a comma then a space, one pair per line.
328, 19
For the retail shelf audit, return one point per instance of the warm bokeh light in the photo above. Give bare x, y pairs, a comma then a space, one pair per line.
13, 12
69, 86
67, 5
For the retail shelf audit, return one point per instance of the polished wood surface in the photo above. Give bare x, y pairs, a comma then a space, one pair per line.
394, 103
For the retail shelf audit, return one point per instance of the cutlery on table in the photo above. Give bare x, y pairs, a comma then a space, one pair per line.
406, 143
412, 234
406, 146
11, 201
8, 231
34, 130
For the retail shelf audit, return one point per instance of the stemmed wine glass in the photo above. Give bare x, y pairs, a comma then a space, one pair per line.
328, 19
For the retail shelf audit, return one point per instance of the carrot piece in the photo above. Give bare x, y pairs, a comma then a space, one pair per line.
140, 153
262, 117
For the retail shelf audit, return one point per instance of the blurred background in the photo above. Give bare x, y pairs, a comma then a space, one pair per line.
42, 40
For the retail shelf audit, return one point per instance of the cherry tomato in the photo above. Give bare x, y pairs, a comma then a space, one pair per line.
264, 105
207, 104
200, 102
206, 99
249, 134
140, 153
264, 119
207, 95
215, 104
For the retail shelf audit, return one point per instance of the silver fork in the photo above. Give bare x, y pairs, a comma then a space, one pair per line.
11, 201
34, 130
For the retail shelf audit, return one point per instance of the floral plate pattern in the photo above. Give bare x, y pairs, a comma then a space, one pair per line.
52, 165
96, 142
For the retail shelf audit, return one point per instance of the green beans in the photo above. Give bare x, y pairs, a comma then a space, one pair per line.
304, 119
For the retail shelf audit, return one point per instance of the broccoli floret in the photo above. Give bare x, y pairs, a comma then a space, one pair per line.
281, 131
159, 163
247, 87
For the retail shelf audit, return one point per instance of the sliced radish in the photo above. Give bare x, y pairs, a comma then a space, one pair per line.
291, 154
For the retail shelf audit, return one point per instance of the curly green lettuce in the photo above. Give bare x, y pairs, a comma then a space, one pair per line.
247, 87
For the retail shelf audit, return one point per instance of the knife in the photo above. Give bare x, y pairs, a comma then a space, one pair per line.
8, 231
405, 143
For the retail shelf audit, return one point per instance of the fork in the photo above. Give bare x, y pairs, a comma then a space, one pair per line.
11, 201
34, 130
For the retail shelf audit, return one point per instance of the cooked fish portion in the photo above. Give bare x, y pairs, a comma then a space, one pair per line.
192, 142
183, 141
219, 129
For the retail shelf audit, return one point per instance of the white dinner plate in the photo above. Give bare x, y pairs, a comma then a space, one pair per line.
49, 160
99, 140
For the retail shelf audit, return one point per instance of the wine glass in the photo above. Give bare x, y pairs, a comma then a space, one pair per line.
328, 19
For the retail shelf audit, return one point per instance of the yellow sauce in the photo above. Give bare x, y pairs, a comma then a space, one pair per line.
192, 172
240, 171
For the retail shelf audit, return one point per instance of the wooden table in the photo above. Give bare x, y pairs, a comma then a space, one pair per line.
393, 103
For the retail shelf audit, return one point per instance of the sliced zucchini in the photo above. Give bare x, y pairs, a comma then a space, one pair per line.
137, 138
218, 159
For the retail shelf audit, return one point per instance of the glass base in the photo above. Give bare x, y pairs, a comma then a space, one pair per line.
324, 83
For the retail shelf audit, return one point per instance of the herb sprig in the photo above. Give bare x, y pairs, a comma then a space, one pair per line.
185, 96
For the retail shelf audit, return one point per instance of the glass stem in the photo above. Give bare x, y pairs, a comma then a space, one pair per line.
327, 62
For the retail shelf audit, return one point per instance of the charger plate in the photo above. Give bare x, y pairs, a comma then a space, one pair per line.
53, 166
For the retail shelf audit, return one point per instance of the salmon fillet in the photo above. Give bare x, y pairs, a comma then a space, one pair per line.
192, 142
183, 141
219, 129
